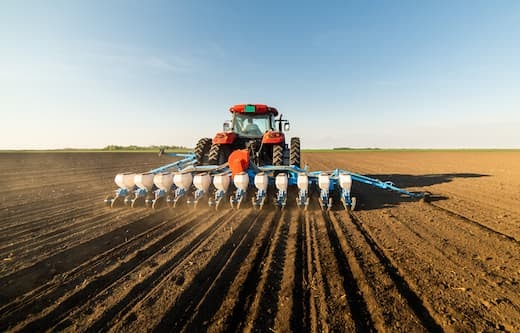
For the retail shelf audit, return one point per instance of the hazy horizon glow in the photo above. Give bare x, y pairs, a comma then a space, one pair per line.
401, 74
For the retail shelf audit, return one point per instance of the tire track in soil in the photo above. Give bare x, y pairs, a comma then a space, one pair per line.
268, 302
486, 275
282, 321
99, 225
358, 306
32, 228
93, 289
227, 304
461, 299
43, 194
43, 297
248, 319
47, 200
64, 231
24, 280
229, 301
474, 222
330, 309
200, 301
142, 292
147, 312
40, 224
421, 309
477, 197
60, 173
381, 283
53, 175
31, 184
42, 187
443, 233
59, 180
31, 217
300, 319
246, 295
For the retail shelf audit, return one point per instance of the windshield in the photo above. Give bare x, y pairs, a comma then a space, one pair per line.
251, 126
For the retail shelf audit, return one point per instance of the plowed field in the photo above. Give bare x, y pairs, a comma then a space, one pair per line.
68, 263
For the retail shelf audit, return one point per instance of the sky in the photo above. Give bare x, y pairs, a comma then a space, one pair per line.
387, 74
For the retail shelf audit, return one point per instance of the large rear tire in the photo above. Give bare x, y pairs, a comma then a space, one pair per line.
202, 150
278, 154
219, 154
295, 157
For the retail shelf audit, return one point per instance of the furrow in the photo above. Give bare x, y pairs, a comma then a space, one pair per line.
95, 288
101, 224
41, 298
269, 302
460, 298
301, 313
248, 290
380, 283
217, 306
64, 230
494, 257
331, 309
249, 318
154, 285
195, 307
474, 222
284, 315
30, 215
351, 283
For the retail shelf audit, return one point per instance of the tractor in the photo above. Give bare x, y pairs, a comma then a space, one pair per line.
253, 127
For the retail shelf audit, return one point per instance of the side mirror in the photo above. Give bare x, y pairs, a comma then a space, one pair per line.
227, 126
286, 127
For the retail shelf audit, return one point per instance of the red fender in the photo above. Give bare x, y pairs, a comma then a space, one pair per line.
225, 138
272, 137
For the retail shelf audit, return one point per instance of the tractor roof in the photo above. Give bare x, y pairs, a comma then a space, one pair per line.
253, 109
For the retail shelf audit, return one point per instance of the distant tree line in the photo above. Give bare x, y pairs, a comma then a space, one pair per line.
134, 147
349, 148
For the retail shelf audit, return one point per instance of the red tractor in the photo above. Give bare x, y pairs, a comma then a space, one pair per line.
253, 127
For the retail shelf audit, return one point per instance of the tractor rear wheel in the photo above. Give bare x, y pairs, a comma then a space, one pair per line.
219, 154
202, 150
278, 154
295, 152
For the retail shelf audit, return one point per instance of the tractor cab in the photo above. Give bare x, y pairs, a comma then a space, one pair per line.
251, 126
251, 120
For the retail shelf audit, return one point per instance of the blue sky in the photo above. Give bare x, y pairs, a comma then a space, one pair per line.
414, 74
